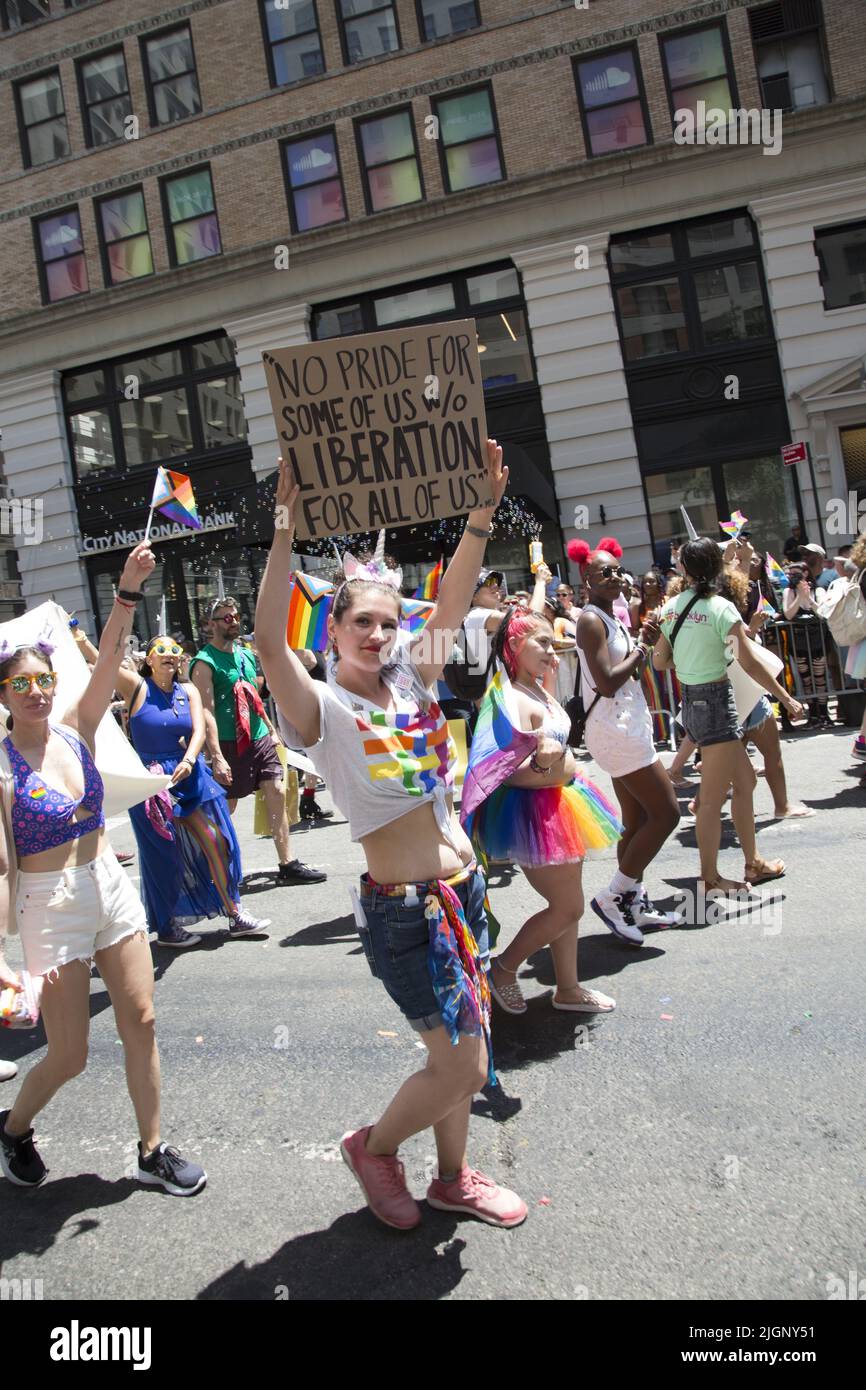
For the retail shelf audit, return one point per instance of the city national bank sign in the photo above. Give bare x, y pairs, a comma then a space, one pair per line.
163, 531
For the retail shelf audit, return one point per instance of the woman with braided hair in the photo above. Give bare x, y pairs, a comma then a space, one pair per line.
619, 736
543, 815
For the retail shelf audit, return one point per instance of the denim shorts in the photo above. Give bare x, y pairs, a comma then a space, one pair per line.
759, 715
709, 714
396, 942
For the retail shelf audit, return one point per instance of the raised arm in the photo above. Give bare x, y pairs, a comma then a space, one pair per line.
461, 576
543, 577
86, 714
293, 688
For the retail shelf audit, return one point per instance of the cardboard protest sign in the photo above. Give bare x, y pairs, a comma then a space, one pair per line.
382, 429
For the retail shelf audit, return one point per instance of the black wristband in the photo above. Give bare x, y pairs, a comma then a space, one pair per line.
130, 595
476, 531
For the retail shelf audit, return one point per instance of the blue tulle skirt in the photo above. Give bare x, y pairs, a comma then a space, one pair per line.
177, 875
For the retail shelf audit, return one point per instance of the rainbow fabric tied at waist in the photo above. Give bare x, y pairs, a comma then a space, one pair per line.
453, 958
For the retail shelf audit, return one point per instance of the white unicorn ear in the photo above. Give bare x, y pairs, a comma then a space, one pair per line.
351, 566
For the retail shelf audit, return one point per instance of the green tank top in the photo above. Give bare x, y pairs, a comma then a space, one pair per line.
228, 668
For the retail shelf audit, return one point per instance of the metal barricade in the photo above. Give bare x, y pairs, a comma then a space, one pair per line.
813, 665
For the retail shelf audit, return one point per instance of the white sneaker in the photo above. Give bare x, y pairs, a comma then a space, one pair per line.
7, 1071
617, 911
647, 915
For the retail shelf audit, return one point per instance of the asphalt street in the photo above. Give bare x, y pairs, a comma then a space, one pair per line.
703, 1142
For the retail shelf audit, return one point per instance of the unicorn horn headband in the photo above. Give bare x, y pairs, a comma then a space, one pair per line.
375, 569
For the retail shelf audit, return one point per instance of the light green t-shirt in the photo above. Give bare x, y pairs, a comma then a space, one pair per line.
228, 668
700, 654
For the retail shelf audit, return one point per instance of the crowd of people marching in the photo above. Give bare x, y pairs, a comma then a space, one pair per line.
606, 668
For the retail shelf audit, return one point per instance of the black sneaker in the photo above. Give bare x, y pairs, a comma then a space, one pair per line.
245, 924
166, 1169
311, 810
296, 872
18, 1157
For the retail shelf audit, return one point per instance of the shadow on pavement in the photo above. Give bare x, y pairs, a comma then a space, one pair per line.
340, 931
355, 1259
20, 1042
32, 1221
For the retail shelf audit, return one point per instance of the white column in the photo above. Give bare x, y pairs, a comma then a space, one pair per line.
583, 391
38, 468
276, 328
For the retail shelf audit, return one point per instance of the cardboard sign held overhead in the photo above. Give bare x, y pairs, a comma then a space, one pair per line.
382, 429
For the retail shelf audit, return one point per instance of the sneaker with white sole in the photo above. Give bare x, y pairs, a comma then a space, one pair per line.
646, 914
166, 1169
178, 937
617, 911
245, 924
19, 1157
382, 1179
473, 1194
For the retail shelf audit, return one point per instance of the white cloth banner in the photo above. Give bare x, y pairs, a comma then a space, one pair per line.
747, 692
127, 781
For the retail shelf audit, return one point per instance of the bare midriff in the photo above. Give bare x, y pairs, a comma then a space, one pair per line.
413, 849
69, 856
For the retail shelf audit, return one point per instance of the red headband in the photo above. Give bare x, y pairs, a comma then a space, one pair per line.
580, 553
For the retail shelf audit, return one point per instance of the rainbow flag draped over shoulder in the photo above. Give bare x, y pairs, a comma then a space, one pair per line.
414, 613
733, 527
174, 497
309, 605
775, 573
429, 589
499, 746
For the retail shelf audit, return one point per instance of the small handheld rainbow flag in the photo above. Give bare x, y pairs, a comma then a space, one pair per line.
733, 527
309, 605
775, 573
174, 497
764, 606
429, 589
414, 613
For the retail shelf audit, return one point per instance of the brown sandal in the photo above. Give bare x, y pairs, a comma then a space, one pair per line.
762, 871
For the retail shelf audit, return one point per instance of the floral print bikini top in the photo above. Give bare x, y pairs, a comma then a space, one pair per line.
44, 818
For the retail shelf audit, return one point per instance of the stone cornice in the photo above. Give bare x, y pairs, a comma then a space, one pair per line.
706, 9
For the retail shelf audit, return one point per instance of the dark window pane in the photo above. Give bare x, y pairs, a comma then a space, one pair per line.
616, 127
106, 119
371, 36
195, 241
609, 79
473, 164
652, 319
318, 205
49, 141
83, 385
497, 284
842, 261
730, 303
442, 17
339, 323
727, 234
465, 117
504, 346
156, 427
66, 278
298, 59
104, 77
689, 487
222, 412
158, 367
309, 161
795, 66
169, 55
91, 441
214, 352
641, 252
176, 99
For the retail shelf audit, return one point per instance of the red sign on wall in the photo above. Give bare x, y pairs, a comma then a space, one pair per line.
794, 453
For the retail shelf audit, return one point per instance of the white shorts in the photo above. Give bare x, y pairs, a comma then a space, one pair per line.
619, 737
70, 914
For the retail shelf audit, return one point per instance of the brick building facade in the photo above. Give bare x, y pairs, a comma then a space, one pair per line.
183, 188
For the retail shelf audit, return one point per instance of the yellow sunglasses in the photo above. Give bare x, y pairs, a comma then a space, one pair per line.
162, 649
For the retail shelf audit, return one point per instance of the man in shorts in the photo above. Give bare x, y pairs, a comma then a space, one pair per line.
224, 673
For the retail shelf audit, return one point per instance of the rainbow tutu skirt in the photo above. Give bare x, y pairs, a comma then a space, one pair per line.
557, 825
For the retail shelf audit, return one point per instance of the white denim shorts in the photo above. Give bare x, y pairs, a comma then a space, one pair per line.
70, 914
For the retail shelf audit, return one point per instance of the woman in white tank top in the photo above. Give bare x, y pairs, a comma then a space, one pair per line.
619, 737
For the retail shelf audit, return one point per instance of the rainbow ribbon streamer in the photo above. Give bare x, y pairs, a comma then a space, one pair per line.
174, 497
733, 527
309, 605
429, 589
775, 573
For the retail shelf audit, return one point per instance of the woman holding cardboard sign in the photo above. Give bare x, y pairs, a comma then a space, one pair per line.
377, 735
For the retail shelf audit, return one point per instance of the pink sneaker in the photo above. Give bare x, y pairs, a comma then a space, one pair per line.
382, 1181
471, 1192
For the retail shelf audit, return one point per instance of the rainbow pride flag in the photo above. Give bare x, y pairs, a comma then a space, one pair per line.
429, 590
174, 497
764, 606
733, 527
499, 746
309, 605
414, 613
775, 573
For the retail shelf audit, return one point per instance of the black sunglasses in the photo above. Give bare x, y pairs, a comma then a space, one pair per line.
608, 571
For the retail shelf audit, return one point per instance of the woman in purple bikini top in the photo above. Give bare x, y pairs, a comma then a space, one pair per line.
44, 818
